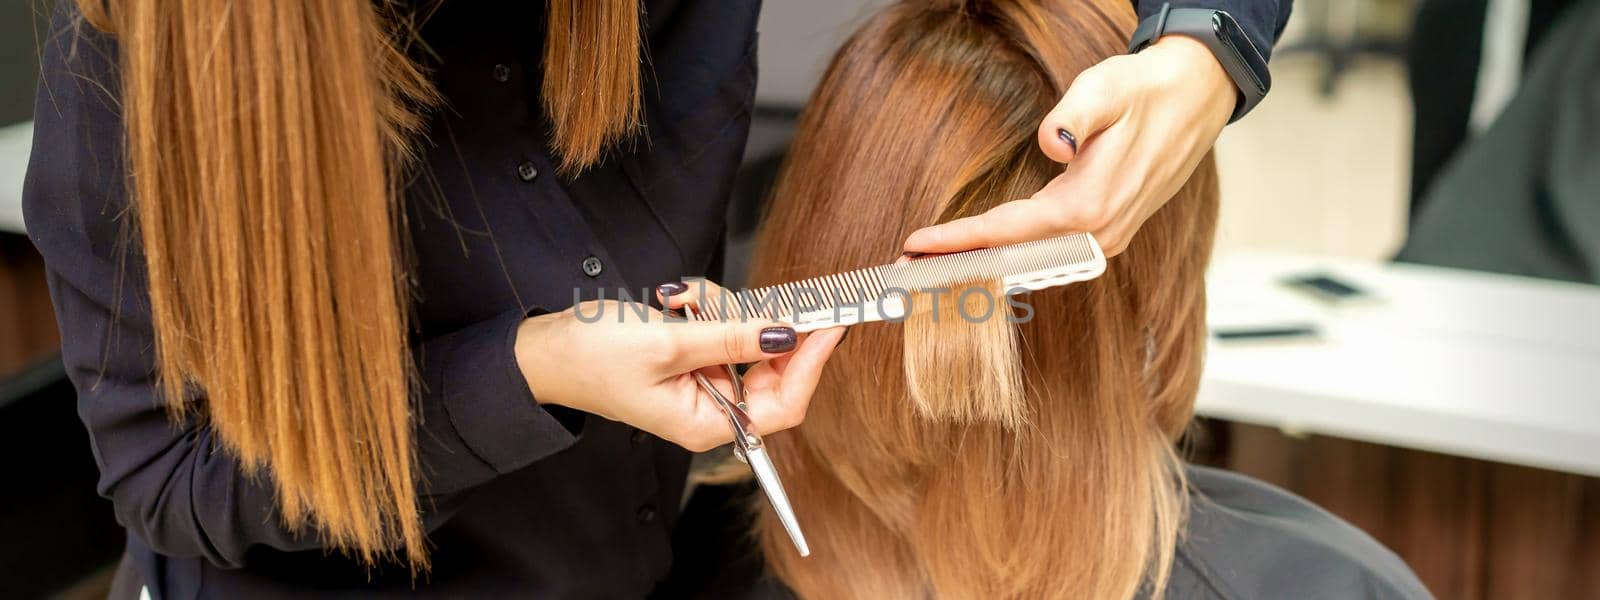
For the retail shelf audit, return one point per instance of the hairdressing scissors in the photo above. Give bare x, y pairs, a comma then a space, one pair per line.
750, 449
1020, 267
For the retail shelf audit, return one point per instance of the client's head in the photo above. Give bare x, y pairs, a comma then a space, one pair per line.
989, 458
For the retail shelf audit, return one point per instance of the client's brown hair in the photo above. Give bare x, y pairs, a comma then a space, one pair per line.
927, 114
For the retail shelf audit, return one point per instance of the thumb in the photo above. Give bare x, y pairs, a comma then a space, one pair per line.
703, 344
1089, 106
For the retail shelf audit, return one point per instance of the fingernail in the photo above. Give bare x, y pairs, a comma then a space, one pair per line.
914, 254
1066, 136
777, 339
668, 290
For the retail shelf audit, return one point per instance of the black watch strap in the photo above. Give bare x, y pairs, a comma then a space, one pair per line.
1223, 36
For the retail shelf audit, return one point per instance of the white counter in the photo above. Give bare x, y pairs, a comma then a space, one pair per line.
1472, 364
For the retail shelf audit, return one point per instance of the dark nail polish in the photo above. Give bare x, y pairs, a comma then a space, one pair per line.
670, 289
914, 254
777, 339
1066, 136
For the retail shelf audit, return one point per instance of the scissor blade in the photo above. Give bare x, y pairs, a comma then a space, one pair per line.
767, 476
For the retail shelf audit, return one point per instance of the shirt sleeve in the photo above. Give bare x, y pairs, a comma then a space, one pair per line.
170, 482
1261, 20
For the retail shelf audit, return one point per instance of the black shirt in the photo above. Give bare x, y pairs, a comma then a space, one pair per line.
520, 498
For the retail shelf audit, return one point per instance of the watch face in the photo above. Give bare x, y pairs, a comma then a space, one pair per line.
1229, 33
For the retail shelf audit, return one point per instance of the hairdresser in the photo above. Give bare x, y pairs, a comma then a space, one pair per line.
324, 269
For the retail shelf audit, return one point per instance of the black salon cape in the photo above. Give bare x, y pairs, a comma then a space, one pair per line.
520, 499
1242, 539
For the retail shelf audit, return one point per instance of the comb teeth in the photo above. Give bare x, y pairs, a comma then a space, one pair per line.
818, 293
857, 296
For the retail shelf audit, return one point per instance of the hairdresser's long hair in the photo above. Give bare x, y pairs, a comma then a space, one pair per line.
995, 460
264, 142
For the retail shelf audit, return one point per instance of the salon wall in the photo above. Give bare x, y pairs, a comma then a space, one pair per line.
797, 38
20, 20
29, 332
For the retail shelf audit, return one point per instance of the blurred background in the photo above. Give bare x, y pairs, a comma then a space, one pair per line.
1447, 403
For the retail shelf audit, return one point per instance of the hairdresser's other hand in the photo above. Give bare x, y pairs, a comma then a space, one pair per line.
639, 370
1135, 128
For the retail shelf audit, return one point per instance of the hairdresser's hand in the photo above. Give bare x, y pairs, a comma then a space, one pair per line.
639, 371
1133, 128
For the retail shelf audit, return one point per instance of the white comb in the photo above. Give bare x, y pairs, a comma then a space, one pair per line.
881, 293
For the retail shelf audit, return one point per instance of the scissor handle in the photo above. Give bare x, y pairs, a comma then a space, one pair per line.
748, 447
745, 437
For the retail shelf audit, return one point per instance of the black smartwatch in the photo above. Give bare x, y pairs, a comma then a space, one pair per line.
1219, 32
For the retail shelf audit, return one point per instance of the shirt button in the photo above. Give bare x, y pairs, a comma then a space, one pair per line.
527, 171
646, 513
592, 267
502, 73
639, 437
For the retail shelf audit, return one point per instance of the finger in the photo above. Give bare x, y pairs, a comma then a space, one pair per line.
692, 419
703, 344
1099, 194
698, 294
1086, 197
704, 424
780, 390
718, 376
910, 256
775, 366
1090, 105
666, 291
1009, 223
